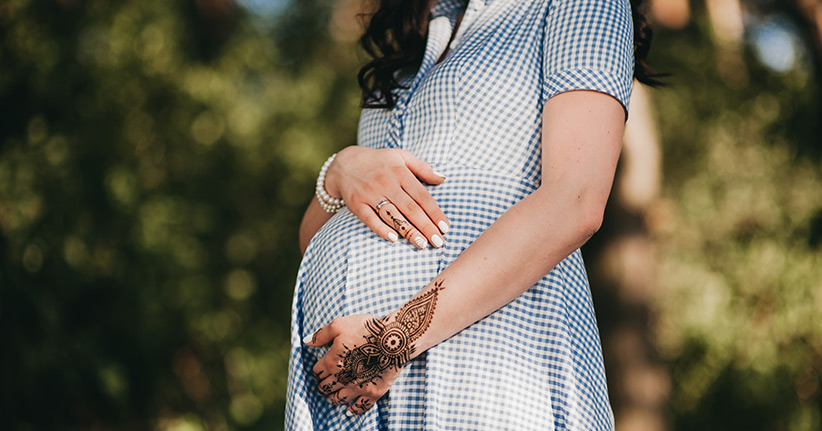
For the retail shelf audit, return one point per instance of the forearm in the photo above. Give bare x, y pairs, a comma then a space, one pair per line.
313, 220
514, 253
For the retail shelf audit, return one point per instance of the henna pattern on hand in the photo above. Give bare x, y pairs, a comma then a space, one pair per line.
336, 399
326, 388
400, 225
389, 345
363, 405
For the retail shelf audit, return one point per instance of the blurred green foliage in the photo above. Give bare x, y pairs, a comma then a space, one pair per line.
739, 295
156, 156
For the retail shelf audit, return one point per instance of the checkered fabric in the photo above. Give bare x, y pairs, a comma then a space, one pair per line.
536, 363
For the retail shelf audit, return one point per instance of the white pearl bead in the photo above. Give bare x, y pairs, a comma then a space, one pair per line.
327, 203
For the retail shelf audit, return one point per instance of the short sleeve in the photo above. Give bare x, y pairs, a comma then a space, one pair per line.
588, 45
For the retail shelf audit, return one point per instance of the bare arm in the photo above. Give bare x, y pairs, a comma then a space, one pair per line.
582, 138
313, 220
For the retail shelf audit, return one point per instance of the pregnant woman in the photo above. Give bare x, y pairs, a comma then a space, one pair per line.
489, 141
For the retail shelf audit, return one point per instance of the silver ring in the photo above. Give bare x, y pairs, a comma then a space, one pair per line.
381, 203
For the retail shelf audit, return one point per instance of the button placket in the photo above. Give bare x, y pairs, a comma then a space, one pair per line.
471, 12
439, 33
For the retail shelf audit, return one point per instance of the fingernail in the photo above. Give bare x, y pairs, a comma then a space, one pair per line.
392, 236
437, 173
420, 242
437, 241
307, 339
443, 226
348, 413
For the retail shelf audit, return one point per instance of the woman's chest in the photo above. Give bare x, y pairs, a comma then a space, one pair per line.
482, 95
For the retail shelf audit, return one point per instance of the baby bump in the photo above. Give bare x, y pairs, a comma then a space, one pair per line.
348, 269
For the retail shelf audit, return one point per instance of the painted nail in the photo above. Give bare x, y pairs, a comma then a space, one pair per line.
437, 173
437, 241
349, 413
307, 339
392, 236
420, 242
443, 226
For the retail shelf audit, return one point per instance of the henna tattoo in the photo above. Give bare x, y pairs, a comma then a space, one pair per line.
363, 405
400, 225
336, 399
326, 388
389, 345
318, 374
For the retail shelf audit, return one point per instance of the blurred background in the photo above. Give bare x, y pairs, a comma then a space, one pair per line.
156, 157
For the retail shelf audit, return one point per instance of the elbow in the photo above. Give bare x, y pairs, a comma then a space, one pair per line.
589, 220
590, 223
589, 207
581, 209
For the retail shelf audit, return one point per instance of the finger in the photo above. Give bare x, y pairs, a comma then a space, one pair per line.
328, 385
392, 216
322, 337
343, 396
320, 371
318, 374
421, 169
415, 215
427, 203
326, 368
360, 406
374, 222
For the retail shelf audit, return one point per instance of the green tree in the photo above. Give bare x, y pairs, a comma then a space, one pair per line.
155, 158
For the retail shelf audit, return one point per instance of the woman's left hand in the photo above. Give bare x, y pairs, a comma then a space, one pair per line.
356, 370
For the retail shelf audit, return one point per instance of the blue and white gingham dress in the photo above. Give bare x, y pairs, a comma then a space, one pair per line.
536, 363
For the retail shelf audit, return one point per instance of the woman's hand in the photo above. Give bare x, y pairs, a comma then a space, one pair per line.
389, 179
356, 370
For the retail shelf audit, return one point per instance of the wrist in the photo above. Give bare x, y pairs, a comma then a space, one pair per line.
390, 342
332, 179
412, 321
334, 174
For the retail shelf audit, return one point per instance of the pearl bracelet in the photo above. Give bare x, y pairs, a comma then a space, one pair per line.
327, 203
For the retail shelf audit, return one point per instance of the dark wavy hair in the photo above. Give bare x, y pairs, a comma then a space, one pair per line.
395, 39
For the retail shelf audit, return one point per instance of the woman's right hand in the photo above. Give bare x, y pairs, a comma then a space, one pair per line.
364, 177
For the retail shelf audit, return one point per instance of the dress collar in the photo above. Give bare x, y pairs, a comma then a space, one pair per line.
448, 8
